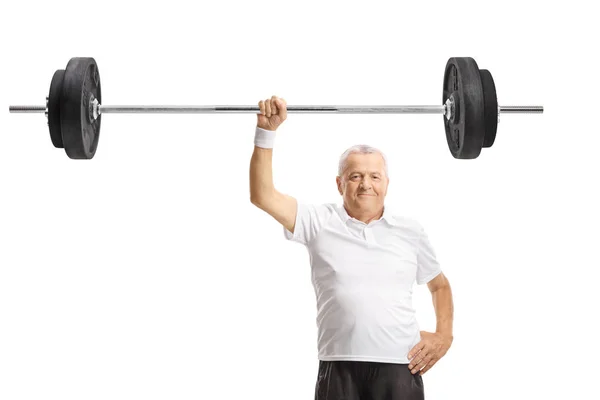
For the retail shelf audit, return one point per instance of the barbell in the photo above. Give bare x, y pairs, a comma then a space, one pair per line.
469, 108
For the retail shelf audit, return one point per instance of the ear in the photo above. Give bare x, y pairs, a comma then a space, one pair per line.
338, 181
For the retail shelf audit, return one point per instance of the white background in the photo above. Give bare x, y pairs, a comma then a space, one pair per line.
146, 273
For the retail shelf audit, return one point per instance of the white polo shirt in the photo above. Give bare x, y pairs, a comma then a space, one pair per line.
363, 276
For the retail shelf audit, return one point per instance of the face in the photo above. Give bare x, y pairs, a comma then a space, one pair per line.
363, 183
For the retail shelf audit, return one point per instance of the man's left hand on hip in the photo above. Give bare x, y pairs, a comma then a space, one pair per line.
428, 351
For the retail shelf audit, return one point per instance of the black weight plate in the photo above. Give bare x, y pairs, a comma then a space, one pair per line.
80, 135
464, 134
54, 108
490, 106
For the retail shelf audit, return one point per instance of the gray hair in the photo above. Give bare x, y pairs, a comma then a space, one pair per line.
360, 149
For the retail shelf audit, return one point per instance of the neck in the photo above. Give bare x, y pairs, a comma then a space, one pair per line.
365, 216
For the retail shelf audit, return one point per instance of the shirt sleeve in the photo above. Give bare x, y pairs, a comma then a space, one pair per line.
310, 218
427, 265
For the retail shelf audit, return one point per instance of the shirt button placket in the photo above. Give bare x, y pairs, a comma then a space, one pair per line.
369, 235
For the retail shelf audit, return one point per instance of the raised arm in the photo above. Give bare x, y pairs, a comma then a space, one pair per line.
262, 190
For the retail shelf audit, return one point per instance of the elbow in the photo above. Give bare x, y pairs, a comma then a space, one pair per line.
254, 193
255, 199
261, 198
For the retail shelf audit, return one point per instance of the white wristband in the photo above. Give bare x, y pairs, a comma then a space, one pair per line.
264, 138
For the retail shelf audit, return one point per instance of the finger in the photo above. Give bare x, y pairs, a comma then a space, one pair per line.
424, 361
274, 105
261, 105
428, 367
419, 362
268, 106
420, 368
418, 347
425, 350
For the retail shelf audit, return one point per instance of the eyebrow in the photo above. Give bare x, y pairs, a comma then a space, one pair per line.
360, 173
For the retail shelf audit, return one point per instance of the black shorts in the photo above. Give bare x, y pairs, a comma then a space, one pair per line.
362, 380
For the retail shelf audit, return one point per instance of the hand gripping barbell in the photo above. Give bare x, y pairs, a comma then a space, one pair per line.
469, 107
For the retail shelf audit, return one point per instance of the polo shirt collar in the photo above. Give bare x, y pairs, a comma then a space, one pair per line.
387, 214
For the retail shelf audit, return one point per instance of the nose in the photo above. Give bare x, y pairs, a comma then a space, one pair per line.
365, 185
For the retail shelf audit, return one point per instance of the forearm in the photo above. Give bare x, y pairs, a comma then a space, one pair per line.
261, 174
444, 309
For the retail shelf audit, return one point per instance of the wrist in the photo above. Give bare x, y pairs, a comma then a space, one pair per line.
265, 129
445, 334
264, 138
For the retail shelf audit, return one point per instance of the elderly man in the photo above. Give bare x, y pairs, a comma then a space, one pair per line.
364, 262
